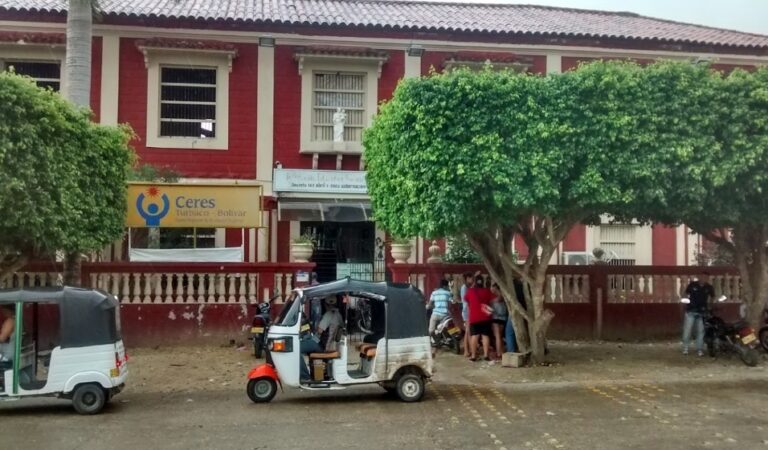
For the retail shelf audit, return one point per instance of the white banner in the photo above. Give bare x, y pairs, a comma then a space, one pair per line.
320, 181
224, 254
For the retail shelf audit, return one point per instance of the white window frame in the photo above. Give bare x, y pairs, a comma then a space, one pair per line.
308, 66
154, 60
35, 53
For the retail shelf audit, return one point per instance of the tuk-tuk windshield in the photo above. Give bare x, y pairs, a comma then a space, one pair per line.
290, 313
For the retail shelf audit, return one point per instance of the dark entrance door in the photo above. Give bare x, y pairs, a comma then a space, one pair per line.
345, 249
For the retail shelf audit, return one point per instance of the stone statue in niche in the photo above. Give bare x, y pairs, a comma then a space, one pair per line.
339, 119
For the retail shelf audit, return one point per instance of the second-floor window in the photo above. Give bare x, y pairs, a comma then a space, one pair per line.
333, 90
188, 102
46, 74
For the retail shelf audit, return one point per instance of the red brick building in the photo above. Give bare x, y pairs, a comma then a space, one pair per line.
246, 90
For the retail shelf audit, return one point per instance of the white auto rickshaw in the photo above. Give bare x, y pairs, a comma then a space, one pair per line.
87, 361
398, 357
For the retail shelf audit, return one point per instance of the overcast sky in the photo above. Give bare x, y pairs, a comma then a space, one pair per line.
742, 15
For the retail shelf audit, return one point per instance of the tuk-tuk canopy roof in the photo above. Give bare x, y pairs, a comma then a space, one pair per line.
86, 316
405, 310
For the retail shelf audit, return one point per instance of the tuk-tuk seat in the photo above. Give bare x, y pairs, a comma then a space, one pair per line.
325, 355
363, 347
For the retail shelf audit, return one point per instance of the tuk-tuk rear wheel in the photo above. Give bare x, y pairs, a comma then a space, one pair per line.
410, 387
89, 399
261, 390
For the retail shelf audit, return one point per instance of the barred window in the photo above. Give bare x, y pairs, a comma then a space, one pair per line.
619, 242
46, 74
333, 90
188, 102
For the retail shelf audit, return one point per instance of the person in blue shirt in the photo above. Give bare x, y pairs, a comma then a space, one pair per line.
439, 302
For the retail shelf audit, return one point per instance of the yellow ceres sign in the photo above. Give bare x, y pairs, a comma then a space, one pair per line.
193, 206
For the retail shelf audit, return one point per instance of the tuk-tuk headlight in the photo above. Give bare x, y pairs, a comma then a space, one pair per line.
280, 345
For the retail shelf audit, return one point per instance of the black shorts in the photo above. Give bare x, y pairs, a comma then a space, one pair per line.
480, 328
501, 322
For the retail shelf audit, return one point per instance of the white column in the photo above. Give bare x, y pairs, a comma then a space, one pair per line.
110, 72
412, 66
220, 237
694, 240
273, 238
643, 245
263, 238
680, 237
265, 108
554, 62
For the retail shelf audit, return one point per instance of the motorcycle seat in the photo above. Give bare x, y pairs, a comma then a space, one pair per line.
324, 355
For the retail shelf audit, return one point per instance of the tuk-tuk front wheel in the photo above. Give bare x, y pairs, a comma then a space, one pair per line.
89, 399
261, 390
410, 387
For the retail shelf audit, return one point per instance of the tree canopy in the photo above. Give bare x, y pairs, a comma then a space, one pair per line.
62, 177
496, 154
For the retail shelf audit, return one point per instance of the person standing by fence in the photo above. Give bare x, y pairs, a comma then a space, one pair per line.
699, 292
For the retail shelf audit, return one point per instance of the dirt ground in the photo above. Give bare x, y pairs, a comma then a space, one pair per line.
190, 369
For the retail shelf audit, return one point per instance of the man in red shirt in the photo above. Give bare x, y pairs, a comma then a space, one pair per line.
480, 319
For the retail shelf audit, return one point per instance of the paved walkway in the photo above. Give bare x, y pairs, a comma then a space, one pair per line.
188, 402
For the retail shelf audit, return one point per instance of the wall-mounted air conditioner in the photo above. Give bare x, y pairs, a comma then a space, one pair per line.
577, 258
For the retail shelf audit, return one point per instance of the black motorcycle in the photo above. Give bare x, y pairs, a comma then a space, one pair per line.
260, 325
738, 337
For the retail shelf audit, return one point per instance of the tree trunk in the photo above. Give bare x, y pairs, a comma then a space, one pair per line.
750, 254
72, 269
78, 88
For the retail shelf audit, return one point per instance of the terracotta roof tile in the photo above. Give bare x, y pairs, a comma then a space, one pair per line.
419, 16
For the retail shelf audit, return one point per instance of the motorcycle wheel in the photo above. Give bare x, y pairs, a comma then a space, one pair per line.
764, 338
258, 347
748, 355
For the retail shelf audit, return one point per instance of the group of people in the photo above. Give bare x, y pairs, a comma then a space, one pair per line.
484, 311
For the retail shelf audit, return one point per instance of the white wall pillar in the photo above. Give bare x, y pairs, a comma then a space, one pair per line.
554, 62
412, 66
110, 79
644, 246
273, 238
252, 244
680, 237
262, 238
265, 109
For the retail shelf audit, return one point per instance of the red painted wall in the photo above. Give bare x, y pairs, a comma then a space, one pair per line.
239, 161
576, 239
664, 251
96, 48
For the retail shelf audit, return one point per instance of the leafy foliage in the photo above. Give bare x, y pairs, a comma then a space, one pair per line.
459, 251
150, 172
495, 154
63, 177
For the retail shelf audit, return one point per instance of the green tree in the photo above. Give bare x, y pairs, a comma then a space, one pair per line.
63, 178
493, 155
732, 209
